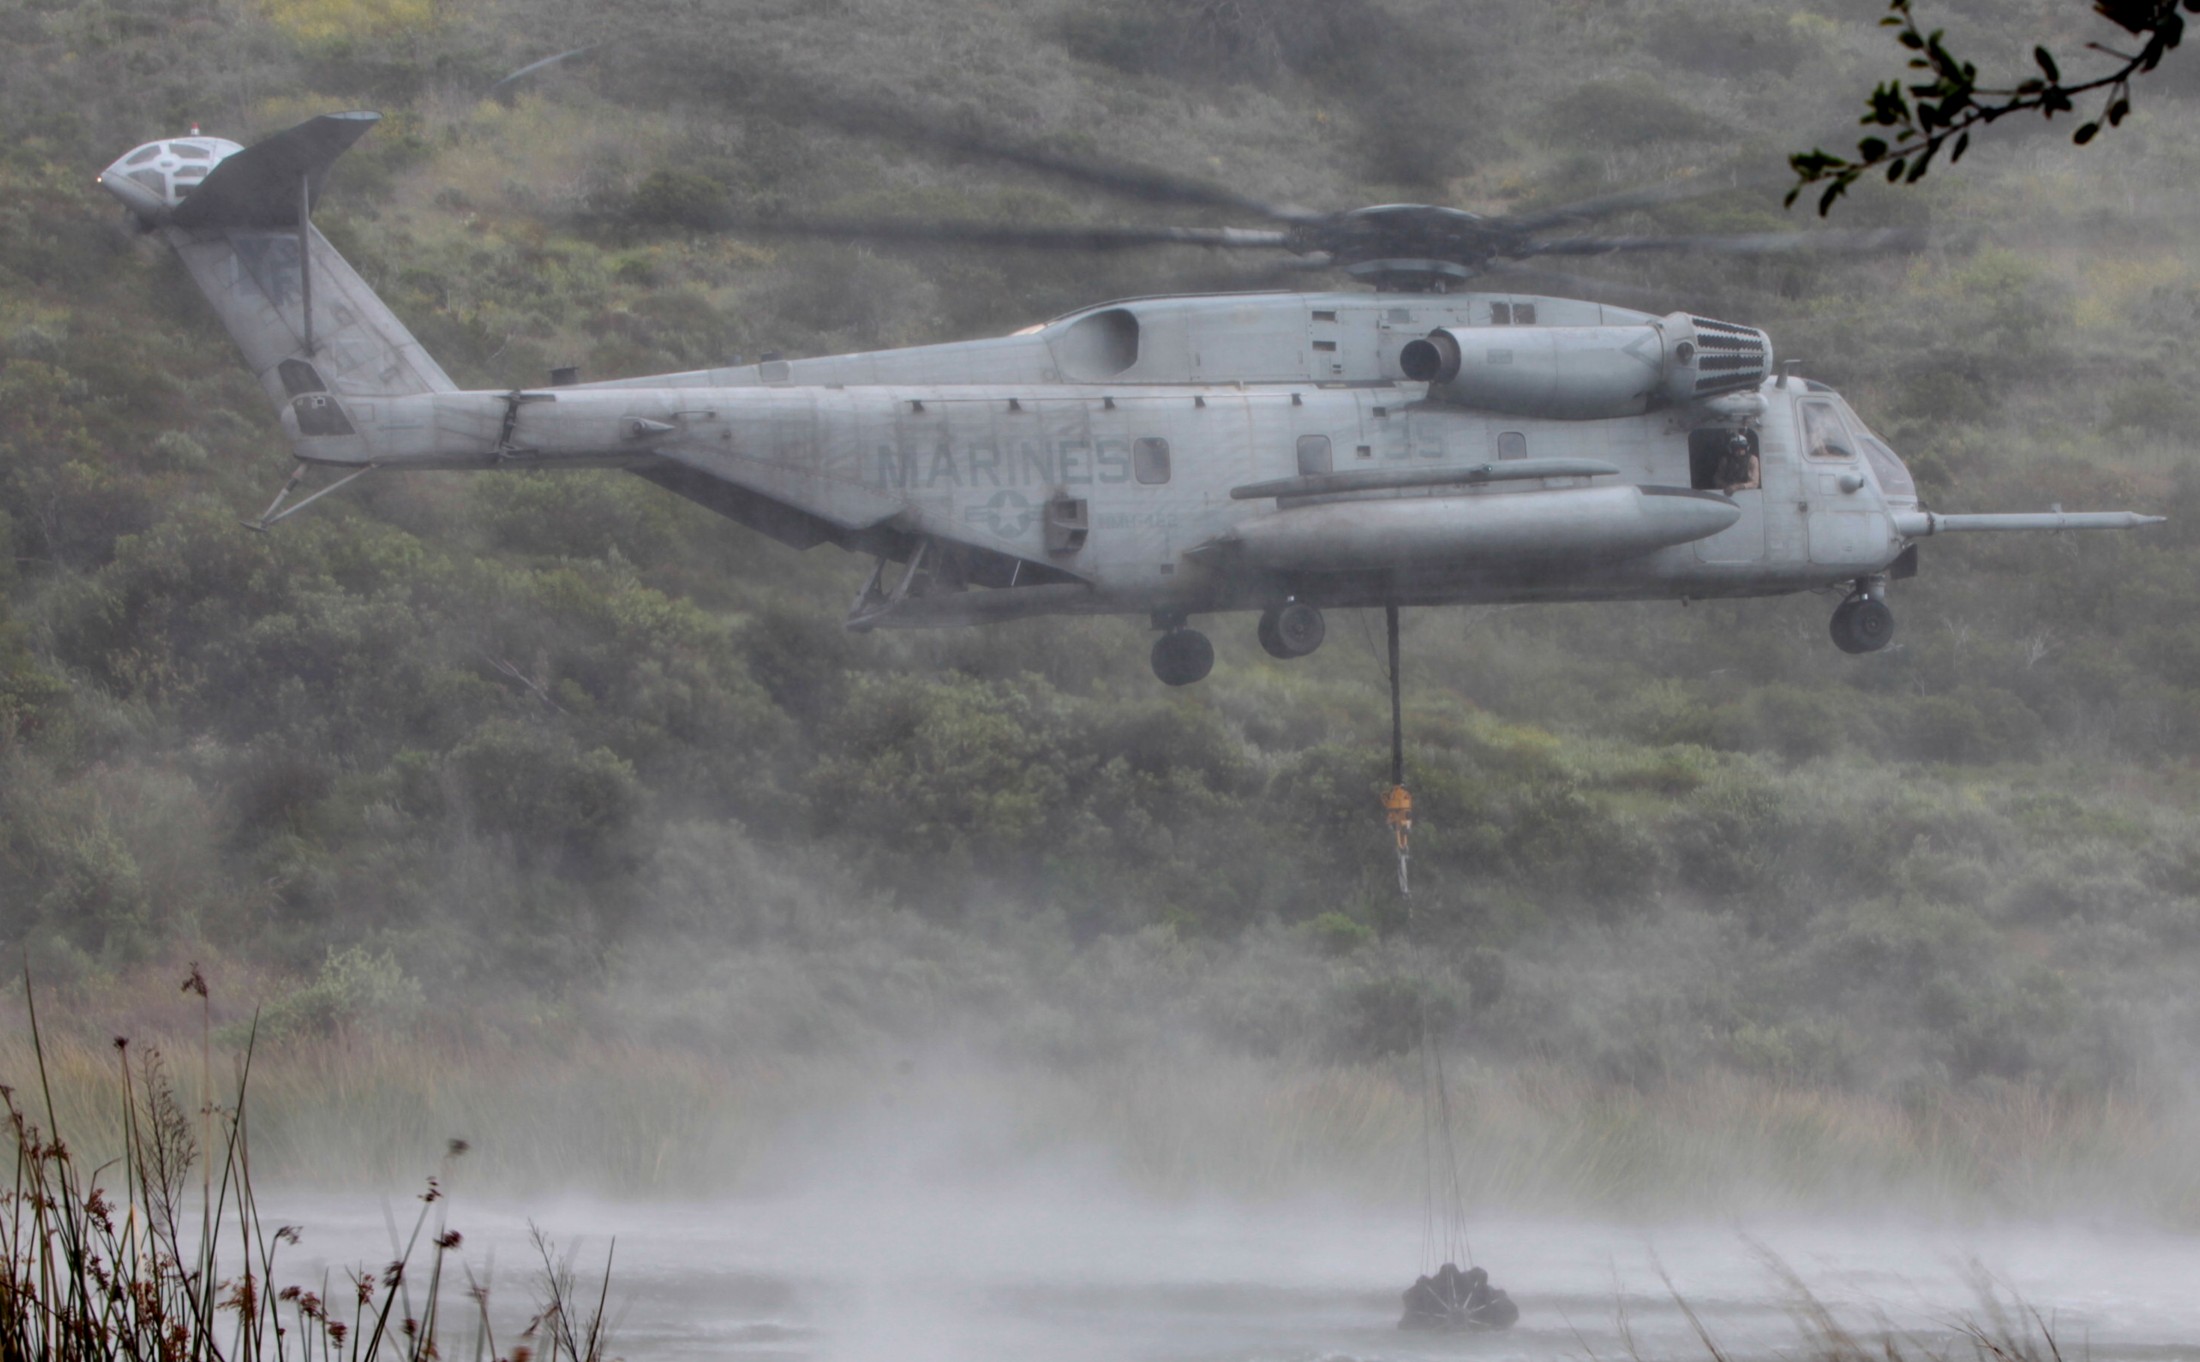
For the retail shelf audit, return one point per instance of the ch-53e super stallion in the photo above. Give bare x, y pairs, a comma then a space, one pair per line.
1421, 444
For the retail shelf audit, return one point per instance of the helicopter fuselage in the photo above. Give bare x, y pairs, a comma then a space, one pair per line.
1064, 489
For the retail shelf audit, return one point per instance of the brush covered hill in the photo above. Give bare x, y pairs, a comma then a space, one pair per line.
529, 756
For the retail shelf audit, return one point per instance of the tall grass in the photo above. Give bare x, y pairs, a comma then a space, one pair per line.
178, 1265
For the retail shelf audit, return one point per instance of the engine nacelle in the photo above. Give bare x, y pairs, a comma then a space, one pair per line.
1588, 373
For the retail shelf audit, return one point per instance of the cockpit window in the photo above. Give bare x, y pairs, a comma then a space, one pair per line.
1894, 480
1823, 435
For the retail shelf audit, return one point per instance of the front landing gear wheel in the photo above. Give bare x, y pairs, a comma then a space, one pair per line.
1182, 656
1292, 630
1862, 624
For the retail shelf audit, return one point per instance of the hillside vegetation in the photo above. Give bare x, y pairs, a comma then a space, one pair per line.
454, 769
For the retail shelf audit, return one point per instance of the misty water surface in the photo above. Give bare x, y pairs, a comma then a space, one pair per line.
1063, 1269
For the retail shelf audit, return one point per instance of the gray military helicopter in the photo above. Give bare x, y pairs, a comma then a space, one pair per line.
1424, 443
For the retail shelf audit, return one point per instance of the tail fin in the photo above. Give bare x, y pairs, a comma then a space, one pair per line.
241, 218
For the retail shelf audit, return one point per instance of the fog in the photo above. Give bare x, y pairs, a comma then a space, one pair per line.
913, 1243
929, 1224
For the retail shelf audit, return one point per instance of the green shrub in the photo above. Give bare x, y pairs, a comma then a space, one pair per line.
1338, 934
1389, 1014
678, 199
556, 803
354, 990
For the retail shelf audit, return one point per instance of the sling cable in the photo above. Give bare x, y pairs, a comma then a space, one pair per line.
1446, 1300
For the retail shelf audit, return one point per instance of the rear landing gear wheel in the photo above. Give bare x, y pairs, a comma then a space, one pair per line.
1182, 656
1291, 630
1862, 624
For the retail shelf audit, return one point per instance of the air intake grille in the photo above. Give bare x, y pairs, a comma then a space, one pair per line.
1729, 358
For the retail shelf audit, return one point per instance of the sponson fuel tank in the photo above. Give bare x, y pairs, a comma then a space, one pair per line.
1573, 524
1588, 373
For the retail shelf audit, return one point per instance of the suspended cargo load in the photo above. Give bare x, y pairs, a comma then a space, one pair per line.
1452, 1302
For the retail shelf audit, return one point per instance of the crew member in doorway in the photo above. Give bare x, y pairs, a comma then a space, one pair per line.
1738, 467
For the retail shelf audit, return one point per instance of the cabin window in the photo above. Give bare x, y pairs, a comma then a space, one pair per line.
1325, 345
1313, 455
1511, 444
1320, 316
1894, 479
1501, 314
1150, 459
1823, 435
142, 155
1523, 314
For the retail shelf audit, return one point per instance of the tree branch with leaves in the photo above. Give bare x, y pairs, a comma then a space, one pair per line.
1925, 115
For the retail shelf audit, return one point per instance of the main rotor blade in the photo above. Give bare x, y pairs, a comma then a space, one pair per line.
1062, 238
823, 103
1745, 243
1276, 276
1605, 205
1134, 182
1561, 284
546, 63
